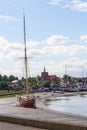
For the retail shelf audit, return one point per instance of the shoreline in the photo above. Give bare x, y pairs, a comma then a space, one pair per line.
50, 95
46, 97
40, 117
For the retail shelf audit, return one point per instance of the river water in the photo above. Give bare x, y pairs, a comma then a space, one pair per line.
70, 104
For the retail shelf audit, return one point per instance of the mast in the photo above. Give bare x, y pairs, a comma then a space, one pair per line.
25, 55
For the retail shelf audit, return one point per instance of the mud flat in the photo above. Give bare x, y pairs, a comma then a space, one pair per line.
40, 117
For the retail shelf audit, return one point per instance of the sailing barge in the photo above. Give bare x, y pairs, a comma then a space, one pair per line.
27, 101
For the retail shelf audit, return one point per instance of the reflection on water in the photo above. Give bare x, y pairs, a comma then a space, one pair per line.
72, 104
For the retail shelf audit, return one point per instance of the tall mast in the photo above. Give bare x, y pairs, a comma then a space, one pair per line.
25, 54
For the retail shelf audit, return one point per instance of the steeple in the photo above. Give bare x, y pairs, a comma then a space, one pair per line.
44, 69
44, 74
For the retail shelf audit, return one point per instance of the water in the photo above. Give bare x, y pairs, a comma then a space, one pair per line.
71, 104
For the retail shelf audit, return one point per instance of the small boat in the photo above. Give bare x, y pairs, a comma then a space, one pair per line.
26, 101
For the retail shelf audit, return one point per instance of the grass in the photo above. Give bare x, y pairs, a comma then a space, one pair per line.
6, 91
3, 91
6, 96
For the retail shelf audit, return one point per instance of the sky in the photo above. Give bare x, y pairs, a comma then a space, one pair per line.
56, 34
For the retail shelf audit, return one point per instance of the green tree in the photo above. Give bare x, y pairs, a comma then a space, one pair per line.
65, 76
22, 79
79, 80
3, 85
0, 77
12, 77
32, 81
4, 78
46, 83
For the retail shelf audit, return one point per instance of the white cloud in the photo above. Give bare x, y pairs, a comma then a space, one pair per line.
77, 5
16, 49
3, 41
10, 52
72, 50
56, 39
55, 2
32, 44
1, 55
7, 18
54, 50
74, 66
84, 38
73, 61
76, 49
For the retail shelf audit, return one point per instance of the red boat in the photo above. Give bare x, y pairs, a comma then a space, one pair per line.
28, 101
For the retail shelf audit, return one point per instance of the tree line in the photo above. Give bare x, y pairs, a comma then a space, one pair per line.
4, 80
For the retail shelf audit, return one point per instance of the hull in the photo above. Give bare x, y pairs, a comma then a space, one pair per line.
29, 103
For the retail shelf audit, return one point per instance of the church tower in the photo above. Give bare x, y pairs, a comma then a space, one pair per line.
44, 75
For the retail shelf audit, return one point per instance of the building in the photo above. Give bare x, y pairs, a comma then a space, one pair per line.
46, 76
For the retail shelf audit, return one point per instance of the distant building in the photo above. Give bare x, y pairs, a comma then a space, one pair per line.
46, 76
15, 83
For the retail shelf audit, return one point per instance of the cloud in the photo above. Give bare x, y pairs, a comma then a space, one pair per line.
1, 55
15, 49
73, 61
59, 50
46, 55
32, 44
56, 39
56, 48
84, 38
55, 2
76, 50
7, 18
74, 66
77, 5
3, 41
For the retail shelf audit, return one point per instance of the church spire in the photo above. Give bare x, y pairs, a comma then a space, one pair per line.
44, 69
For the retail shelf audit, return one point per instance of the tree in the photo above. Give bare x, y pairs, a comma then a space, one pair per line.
32, 81
65, 76
79, 80
46, 83
38, 79
3, 85
12, 77
22, 79
0, 77
4, 78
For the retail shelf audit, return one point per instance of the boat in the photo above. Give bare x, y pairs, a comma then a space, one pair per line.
26, 101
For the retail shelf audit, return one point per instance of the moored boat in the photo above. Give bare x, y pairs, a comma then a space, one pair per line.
26, 101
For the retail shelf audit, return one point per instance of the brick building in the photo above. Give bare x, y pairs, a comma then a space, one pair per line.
46, 76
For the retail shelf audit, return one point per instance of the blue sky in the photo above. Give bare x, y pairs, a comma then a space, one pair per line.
56, 33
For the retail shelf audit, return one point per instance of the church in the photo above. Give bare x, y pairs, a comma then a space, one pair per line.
45, 76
